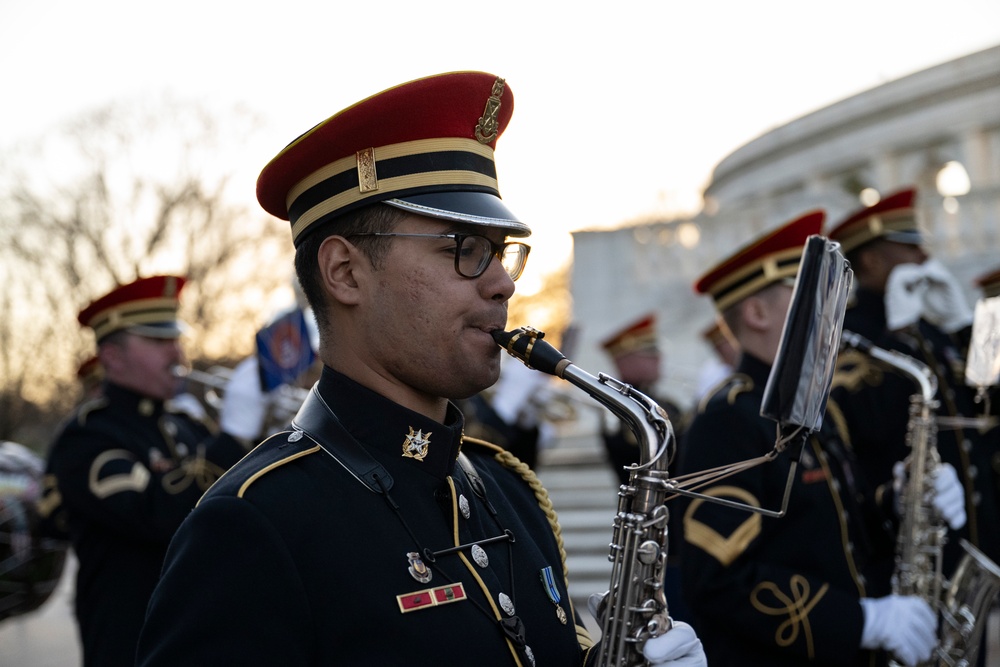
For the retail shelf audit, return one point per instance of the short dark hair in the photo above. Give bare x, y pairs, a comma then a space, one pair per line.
731, 315
377, 217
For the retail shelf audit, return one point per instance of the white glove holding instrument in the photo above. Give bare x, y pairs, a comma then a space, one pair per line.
244, 404
944, 302
949, 494
904, 625
925, 290
679, 647
904, 295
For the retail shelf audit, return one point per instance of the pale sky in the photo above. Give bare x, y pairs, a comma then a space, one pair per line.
621, 109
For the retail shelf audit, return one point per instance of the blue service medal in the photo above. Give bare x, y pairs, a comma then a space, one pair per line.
549, 584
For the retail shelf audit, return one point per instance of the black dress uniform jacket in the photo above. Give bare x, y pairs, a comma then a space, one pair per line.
310, 551
121, 476
774, 591
874, 402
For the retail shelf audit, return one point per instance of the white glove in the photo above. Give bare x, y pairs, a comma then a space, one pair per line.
679, 647
944, 302
949, 496
187, 403
904, 625
904, 295
244, 404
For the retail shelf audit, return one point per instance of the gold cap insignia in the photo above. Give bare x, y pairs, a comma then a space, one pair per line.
487, 128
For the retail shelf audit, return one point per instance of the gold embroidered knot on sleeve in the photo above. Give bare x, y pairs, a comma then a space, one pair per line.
197, 470
796, 604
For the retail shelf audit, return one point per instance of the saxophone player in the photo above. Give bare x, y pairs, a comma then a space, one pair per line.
792, 590
906, 301
375, 532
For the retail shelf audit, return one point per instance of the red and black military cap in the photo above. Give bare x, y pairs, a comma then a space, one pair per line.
989, 283
774, 257
147, 307
636, 352
893, 218
425, 146
639, 336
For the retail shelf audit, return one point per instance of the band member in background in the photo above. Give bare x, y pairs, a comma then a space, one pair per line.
908, 302
791, 590
373, 533
638, 360
989, 287
124, 470
725, 355
636, 353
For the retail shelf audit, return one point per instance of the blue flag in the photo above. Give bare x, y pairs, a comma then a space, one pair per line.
283, 350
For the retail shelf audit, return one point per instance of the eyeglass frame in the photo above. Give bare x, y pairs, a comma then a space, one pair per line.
496, 249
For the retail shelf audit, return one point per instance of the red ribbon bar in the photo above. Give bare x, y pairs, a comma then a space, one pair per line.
430, 597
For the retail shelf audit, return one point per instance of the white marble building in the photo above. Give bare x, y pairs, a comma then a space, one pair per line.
938, 129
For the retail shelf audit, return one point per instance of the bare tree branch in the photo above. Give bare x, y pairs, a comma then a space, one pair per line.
124, 192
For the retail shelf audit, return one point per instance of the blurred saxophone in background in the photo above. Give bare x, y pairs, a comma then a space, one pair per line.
963, 603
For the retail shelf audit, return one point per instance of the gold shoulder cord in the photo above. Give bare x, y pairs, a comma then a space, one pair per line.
510, 461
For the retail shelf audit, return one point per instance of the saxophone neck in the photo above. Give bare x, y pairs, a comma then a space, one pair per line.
916, 370
646, 419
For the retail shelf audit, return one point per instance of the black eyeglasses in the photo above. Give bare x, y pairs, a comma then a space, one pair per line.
473, 253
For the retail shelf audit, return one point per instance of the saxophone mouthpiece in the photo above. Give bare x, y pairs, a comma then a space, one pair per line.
526, 345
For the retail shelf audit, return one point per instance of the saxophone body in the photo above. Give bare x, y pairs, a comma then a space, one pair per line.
964, 601
634, 609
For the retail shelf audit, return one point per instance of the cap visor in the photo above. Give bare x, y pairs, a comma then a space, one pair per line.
909, 238
158, 330
474, 208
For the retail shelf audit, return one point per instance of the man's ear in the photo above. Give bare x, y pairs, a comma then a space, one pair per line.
754, 313
339, 265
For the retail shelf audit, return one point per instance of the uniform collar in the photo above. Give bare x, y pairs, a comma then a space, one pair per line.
756, 369
387, 427
132, 402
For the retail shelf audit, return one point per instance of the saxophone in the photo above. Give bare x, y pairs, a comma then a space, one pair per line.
635, 607
962, 603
